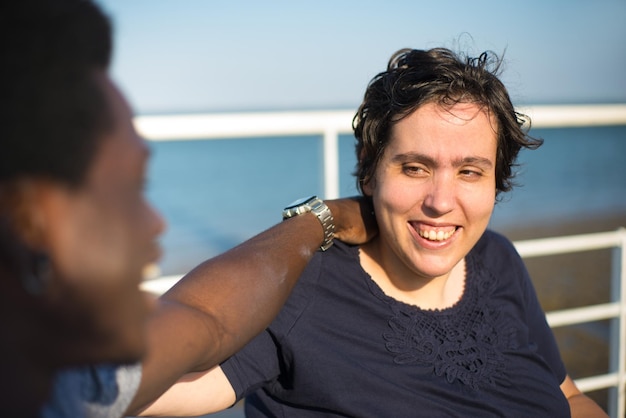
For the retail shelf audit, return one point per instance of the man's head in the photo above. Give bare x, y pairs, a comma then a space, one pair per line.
53, 111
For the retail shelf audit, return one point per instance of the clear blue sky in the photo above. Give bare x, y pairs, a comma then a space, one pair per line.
221, 55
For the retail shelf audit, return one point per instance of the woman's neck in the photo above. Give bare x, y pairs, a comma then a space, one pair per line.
402, 284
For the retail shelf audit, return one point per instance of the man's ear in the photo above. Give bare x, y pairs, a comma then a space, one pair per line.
29, 211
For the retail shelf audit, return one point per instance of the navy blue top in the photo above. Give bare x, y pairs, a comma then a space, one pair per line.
341, 347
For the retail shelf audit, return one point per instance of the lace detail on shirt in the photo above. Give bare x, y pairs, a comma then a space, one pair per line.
463, 343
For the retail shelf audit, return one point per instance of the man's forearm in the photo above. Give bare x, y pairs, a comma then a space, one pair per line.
225, 301
242, 290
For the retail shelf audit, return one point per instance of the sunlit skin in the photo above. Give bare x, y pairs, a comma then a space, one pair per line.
435, 179
101, 236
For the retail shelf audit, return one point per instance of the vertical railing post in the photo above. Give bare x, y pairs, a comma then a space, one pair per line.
617, 357
621, 388
331, 164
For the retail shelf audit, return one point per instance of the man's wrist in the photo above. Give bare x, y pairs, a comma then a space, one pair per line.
320, 210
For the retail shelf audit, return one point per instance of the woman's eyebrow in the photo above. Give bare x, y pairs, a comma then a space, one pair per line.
477, 161
417, 157
413, 157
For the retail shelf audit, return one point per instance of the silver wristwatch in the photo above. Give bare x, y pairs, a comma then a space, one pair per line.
319, 208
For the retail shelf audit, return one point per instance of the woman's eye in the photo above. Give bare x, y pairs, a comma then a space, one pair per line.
412, 170
471, 174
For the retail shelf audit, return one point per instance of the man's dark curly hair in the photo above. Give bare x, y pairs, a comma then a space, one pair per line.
53, 112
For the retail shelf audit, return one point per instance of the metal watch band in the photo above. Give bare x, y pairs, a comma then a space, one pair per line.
319, 208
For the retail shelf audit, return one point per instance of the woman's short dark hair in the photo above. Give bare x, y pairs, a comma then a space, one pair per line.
416, 77
53, 110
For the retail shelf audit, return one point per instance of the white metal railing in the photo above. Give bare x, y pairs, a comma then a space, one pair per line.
331, 124
615, 310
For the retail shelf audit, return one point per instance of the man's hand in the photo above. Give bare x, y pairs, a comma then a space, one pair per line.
355, 222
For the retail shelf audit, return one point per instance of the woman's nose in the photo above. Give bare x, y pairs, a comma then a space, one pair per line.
440, 197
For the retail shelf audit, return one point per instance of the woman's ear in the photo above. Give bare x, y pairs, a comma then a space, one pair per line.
368, 186
367, 182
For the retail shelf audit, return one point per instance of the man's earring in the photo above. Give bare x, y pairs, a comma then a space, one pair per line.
37, 277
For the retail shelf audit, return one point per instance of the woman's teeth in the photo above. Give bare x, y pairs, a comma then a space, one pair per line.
433, 235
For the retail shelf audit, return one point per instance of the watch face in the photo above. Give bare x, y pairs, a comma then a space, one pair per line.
299, 202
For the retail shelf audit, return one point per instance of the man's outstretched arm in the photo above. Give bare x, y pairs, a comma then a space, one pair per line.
224, 302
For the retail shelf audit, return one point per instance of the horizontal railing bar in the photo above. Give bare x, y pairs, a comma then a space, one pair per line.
233, 125
259, 124
571, 243
603, 381
555, 116
583, 314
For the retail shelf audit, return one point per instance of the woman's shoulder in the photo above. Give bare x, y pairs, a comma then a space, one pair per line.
340, 253
325, 267
495, 251
324, 277
492, 241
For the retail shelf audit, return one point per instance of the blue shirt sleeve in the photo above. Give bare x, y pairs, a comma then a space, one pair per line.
102, 391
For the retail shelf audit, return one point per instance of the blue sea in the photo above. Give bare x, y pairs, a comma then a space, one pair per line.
215, 194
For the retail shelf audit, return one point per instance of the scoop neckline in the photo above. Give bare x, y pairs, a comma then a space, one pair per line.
378, 292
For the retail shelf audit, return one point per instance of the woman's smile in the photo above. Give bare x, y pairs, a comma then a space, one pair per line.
433, 232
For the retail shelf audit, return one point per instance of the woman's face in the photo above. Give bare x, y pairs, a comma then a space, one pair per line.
100, 237
434, 189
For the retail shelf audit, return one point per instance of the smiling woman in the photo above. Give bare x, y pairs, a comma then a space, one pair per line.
436, 309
